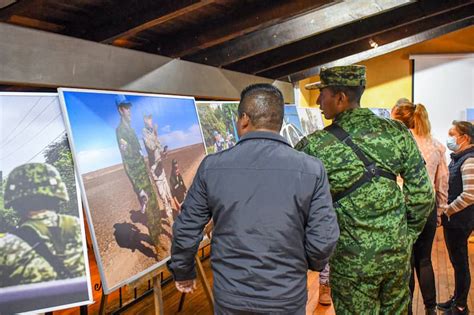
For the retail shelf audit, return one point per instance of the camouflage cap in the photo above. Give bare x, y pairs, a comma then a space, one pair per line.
342, 76
34, 179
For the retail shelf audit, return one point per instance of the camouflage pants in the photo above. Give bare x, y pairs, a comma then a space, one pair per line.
152, 213
382, 294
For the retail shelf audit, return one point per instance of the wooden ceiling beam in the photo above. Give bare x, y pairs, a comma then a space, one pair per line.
362, 45
372, 53
343, 35
292, 30
18, 8
132, 18
238, 23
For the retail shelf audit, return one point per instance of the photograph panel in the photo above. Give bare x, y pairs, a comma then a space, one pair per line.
136, 155
43, 252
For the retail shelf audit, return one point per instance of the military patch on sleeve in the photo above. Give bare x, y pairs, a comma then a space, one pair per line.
302, 144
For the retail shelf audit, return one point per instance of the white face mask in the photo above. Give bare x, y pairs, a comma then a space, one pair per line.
452, 144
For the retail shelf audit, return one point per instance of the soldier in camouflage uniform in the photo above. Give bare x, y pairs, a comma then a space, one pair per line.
379, 222
136, 170
47, 245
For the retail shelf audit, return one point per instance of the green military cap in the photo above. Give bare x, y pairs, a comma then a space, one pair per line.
341, 76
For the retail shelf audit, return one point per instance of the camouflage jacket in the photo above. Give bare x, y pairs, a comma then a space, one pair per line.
133, 161
62, 235
378, 221
22, 264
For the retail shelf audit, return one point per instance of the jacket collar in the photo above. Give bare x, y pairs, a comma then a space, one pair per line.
264, 135
456, 156
354, 112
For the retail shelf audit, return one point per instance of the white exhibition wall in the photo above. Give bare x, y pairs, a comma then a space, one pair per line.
445, 85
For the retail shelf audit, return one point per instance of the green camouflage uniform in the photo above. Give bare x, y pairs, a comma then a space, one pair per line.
20, 264
370, 268
135, 168
61, 234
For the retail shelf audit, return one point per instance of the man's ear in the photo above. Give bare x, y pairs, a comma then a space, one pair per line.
341, 97
245, 120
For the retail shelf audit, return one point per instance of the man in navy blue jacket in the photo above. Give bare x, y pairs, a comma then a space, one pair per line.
272, 213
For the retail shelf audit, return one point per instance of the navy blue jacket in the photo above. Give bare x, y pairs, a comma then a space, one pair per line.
273, 219
464, 218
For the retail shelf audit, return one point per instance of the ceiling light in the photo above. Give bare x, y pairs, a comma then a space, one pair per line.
373, 44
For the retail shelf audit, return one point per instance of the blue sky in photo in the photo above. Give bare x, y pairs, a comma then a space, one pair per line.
94, 117
291, 116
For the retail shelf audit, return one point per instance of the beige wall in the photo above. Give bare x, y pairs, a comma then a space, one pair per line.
389, 77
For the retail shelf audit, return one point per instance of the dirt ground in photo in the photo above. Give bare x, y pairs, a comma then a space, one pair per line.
115, 209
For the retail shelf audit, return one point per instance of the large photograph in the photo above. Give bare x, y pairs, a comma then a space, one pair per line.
311, 120
136, 155
43, 252
219, 125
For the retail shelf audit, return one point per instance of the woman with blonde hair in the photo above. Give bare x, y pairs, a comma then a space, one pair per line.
415, 118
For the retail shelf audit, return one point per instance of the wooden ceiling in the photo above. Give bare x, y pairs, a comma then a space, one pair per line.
287, 40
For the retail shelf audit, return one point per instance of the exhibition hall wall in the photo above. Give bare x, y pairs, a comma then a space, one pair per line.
390, 76
445, 85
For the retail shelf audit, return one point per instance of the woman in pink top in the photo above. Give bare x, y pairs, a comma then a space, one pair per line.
415, 117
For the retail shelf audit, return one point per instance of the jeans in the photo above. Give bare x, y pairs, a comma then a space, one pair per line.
421, 263
324, 275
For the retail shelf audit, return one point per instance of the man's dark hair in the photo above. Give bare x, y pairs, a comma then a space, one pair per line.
264, 105
353, 93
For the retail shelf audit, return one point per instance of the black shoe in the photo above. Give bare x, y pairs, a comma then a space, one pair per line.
456, 311
430, 311
446, 306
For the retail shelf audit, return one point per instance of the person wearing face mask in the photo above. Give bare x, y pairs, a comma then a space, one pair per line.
415, 118
458, 215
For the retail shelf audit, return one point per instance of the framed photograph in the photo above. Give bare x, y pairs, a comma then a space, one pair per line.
43, 251
311, 120
219, 125
291, 129
381, 112
136, 154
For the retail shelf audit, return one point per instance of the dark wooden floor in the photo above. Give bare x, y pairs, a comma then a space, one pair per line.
196, 303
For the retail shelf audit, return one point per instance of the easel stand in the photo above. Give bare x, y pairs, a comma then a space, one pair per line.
157, 296
205, 285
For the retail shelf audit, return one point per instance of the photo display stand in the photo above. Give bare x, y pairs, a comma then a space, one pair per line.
157, 292
135, 155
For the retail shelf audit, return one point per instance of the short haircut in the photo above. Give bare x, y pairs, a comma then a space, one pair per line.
264, 105
465, 128
353, 93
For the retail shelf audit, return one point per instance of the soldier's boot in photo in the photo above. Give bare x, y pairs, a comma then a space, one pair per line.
325, 294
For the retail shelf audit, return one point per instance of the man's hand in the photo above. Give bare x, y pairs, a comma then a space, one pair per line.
186, 286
